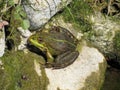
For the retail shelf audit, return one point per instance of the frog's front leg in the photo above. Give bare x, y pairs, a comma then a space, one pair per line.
65, 59
50, 59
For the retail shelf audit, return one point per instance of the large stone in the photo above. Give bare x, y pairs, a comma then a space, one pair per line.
86, 73
40, 11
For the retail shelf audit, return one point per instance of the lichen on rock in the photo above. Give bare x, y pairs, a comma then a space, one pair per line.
104, 35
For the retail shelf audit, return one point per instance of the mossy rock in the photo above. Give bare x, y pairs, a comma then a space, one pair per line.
19, 73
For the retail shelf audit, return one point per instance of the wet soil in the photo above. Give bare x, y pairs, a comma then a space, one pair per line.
112, 79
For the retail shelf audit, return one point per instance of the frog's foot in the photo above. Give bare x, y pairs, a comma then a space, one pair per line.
65, 59
48, 65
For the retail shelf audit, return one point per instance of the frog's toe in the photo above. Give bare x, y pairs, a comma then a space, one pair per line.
48, 65
65, 59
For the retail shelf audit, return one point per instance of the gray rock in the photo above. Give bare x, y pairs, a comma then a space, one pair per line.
25, 34
105, 35
39, 12
2, 41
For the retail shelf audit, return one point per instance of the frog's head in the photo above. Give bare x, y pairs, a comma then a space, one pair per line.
34, 40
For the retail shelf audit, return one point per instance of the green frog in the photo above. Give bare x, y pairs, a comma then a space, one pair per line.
58, 44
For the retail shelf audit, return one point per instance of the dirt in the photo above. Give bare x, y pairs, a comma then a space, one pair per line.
112, 80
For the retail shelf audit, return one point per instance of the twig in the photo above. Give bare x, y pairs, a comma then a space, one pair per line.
109, 6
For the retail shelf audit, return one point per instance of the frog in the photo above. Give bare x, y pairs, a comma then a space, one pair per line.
58, 44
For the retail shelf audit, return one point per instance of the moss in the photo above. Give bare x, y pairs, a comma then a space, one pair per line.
116, 45
11, 71
95, 80
19, 73
2, 79
116, 41
115, 19
44, 80
33, 81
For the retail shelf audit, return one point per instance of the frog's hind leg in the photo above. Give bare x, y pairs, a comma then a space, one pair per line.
65, 59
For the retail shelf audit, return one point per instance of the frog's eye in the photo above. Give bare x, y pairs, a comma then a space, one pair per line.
40, 39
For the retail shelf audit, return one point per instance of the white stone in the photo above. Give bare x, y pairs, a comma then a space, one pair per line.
25, 34
40, 11
37, 67
2, 41
74, 76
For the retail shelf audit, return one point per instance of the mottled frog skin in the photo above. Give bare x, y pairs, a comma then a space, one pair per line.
58, 44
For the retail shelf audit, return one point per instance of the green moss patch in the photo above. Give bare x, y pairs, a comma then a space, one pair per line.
116, 41
19, 73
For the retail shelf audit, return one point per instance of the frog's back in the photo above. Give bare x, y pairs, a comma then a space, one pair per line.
61, 40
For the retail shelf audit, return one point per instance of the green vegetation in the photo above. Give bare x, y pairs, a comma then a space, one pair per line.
77, 13
13, 13
19, 73
116, 41
11, 72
